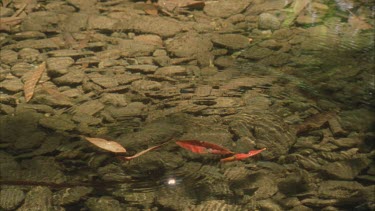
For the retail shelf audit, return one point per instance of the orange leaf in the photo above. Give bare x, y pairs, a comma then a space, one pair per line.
202, 147
111, 146
242, 156
31, 82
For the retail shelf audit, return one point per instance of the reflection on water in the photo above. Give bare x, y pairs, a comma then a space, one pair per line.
303, 88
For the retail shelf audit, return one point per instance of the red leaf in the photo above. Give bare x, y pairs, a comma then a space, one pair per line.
242, 156
202, 147
255, 152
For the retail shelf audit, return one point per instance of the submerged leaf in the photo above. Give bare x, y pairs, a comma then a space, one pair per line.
31, 82
202, 147
111, 146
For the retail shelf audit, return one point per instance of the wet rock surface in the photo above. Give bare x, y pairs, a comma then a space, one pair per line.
242, 74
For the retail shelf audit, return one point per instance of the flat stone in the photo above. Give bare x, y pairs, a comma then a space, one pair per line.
346, 170
86, 119
146, 85
12, 85
29, 141
225, 8
113, 99
6, 12
11, 198
277, 60
127, 78
162, 26
29, 54
29, 35
333, 189
231, 41
224, 61
58, 65
348, 142
21, 68
8, 56
134, 109
226, 102
171, 71
75, 22
150, 39
69, 53
53, 97
203, 91
40, 21
101, 22
90, 107
57, 123
162, 60
73, 77
103, 80
103, 203
256, 53
268, 21
40, 108
142, 68
48, 43
39, 198
72, 195
134, 48
189, 44
109, 54
247, 83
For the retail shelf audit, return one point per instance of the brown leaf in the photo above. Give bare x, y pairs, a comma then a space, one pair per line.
141, 153
111, 146
31, 82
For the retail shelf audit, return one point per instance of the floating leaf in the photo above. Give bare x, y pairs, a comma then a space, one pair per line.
242, 156
111, 146
31, 82
141, 153
202, 147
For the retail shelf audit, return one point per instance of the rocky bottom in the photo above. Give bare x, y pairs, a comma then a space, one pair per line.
241, 74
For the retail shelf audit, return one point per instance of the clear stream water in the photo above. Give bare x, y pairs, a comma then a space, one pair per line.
327, 65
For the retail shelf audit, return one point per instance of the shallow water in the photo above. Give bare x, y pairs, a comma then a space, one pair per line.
303, 90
